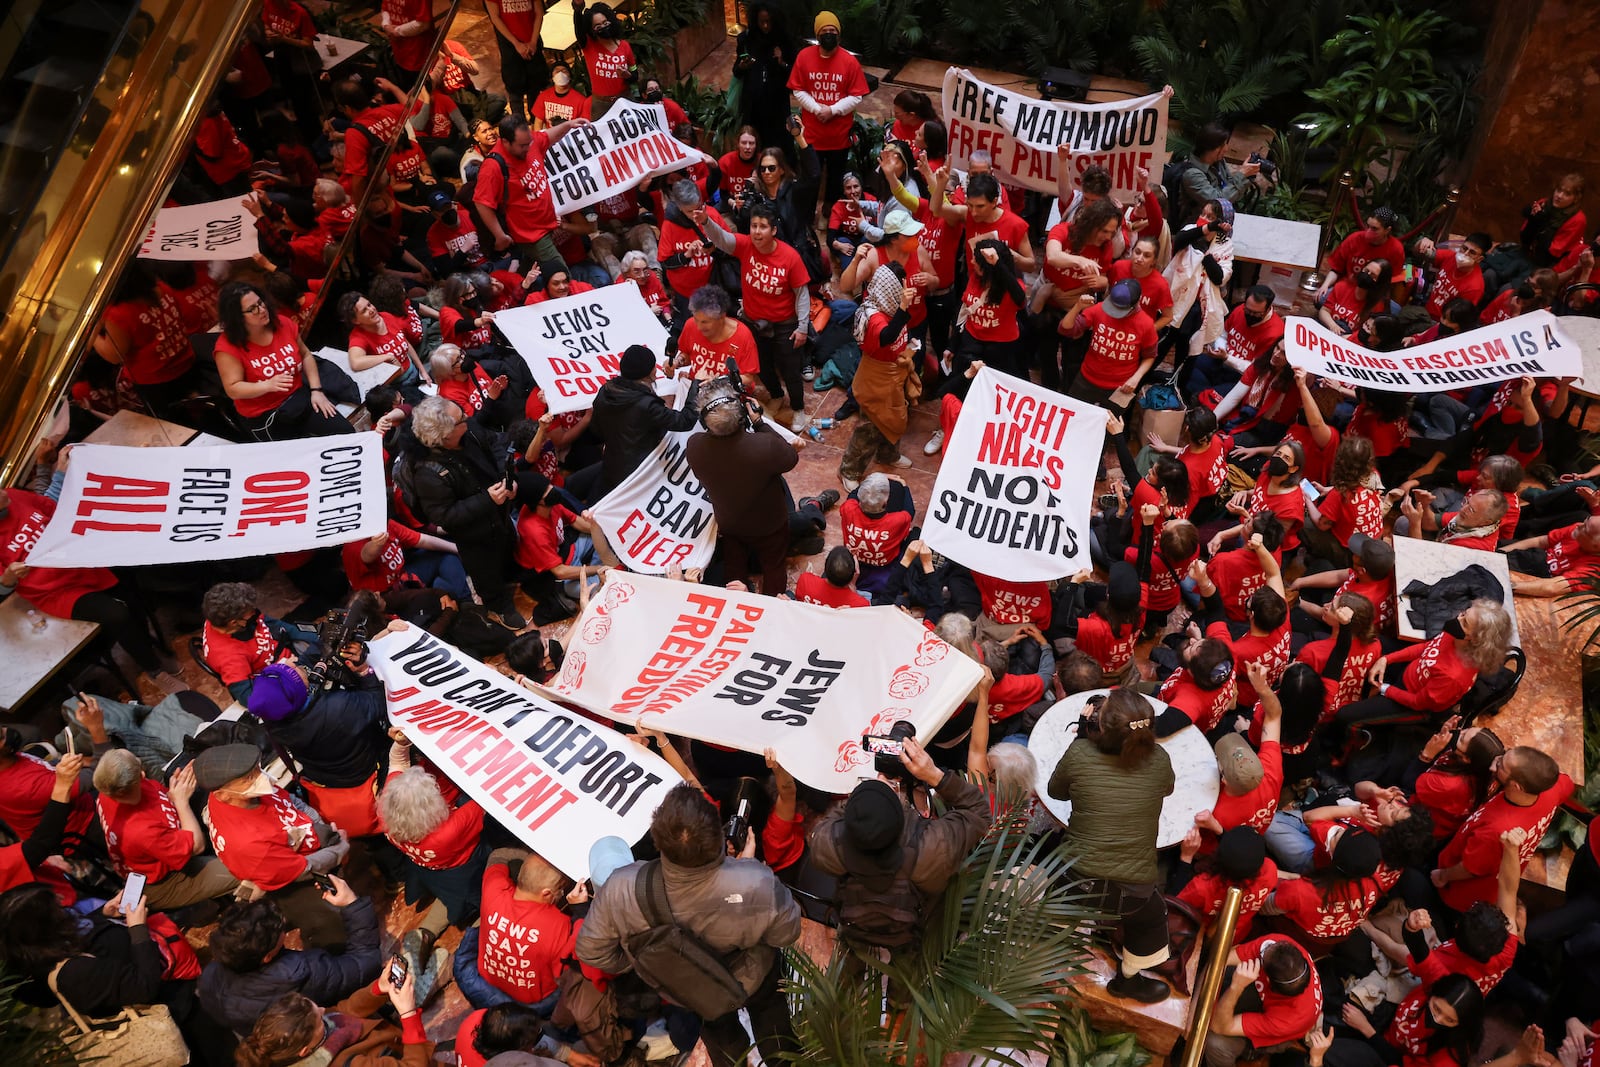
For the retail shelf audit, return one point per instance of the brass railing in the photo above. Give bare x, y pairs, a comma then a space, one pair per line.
1209, 983
88, 218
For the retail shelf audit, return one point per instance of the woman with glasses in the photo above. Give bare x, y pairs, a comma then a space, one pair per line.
636, 269
268, 371
794, 198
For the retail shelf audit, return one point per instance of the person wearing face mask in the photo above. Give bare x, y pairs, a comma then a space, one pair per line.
1458, 271
1376, 240
608, 57
516, 30
237, 640
828, 84
271, 840
1250, 331
764, 56
1356, 298
1201, 265
452, 238
653, 93
1277, 490
1457, 316
559, 102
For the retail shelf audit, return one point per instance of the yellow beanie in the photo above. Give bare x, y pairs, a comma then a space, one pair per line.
825, 19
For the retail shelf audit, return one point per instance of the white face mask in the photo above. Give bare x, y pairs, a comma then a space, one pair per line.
562, 79
260, 786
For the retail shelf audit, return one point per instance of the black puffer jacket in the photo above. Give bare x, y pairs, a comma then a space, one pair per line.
451, 487
631, 420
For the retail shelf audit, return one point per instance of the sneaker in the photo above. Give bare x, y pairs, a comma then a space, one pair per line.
511, 618
935, 444
799, 422
901, 462
827, 499
808, 372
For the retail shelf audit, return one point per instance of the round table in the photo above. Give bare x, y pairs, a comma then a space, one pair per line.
1194, 766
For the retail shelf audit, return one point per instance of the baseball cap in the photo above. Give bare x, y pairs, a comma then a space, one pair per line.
1241, 767
873, 821
1376, 555
901, 222
439, 198
605, 856
1122, 299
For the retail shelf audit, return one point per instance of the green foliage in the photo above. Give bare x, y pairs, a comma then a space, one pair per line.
1012, 931
707, 107
1084, 1046
24, 1044
653, 28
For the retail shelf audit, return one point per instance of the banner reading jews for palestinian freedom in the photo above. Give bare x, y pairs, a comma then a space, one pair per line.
629, 143
752, 672
1531, 346
130, 507
556, 779
1012, 497
659, 517
1021, 133
220, 229
574, 345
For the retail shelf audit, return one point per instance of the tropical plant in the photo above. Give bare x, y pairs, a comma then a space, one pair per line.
27, 1045
1085, 1045
707, 107
1012, 931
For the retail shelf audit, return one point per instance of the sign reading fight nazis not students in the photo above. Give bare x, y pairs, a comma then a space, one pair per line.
124, 506
553, 777
1021, 134
1528, 346
1012, 497
630, 143
754, 672
575, 344
660, 517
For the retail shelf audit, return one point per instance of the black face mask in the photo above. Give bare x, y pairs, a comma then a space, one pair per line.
1277, 466
607, 30
653, 96
828, 41
450, 218
1455, 629
248, 630
1366, 281
1255, 319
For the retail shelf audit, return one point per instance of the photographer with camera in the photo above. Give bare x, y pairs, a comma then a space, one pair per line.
892, 855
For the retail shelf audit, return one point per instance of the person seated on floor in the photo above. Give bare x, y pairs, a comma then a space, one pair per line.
1272, 1000
1559, 561
835, 586
1239, 859
238, 642
876, 521
1532, 787
554, 546
1476, 524
515, 953
250, 967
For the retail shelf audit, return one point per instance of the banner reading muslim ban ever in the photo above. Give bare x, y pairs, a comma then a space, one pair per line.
554, 778
574, 345
630, 143
659, 517
124, 506
1012, 497
1021, 134
220, 229
1531, 345
754, 672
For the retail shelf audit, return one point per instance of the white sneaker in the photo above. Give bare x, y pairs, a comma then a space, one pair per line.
850, 486
655, 1044
934, 445
800, 421
902, 462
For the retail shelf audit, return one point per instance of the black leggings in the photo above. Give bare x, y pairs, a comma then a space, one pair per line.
295, 418
121, 622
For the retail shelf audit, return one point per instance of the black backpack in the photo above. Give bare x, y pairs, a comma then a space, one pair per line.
1172, 181
674, 961
889, 917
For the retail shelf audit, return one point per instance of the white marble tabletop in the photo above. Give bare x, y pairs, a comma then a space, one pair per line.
134, 430
1194, 765
33, 655
1585, 333
1428, 561
1284, 242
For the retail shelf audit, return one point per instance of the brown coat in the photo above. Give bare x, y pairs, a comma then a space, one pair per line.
380, 1043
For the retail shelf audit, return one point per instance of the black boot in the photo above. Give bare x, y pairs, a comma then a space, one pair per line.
1139, 987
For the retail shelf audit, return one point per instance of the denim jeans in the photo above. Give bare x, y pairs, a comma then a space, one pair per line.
1290, 843
477, 990
441, 570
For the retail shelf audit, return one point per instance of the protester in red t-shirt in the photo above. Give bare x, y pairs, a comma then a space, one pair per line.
441, 843
560, 102
1532, 788
153, 831
379, 563
519, 945
1155, 294
236, 640
1205, 453
409, 26
1251, 330
1122, 343
23, 861
1457, 770
1458, 271
267, 370
1277, 492
224, 158
1357, 297
1288, 989
834, 587
1239, 572
609, 58
828, 84
1239, 859
1556, 559
512, 195
712, 336
1375, 241
1251, 780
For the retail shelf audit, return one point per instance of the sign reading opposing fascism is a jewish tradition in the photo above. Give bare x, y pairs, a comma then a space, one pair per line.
629, 143
556, 779
130, 507
1528, 346
221, 229
1012, 497
574, 345
1021, 134
754, 672
659, 517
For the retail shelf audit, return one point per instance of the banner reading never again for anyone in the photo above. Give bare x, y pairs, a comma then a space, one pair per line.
659, 517
1012, 497
554, 778
130, 507
753, 672
1021, 134
574, 345
220, 229
630, 143
1531, 346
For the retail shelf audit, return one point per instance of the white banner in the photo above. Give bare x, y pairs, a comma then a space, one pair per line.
1021, 133
222, 229
626, 145
555, 778
1012, 497
575, 344
659, 517
1531, 345
135, 506
753, 672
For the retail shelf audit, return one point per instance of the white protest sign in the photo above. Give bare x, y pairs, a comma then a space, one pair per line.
1531, 345
556, 779
574, 345
1012, 497
659, 517
221, 229
629, 143
1021, 133
124, 506
756, 672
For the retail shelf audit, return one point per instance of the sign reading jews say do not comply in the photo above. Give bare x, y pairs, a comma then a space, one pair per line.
124, 506
754, 672
555, 778
574, 345
660, 517
630, 143
1012, 497
221, 229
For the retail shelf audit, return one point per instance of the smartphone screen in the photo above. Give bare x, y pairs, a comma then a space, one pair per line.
877, 745
397, 971
133, 892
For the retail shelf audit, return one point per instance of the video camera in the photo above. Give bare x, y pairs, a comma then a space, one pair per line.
342, 637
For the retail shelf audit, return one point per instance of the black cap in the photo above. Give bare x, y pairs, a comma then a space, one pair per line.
874, 819
1357, 854
1376, 555
637, 362
1122, 586
1240, 853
